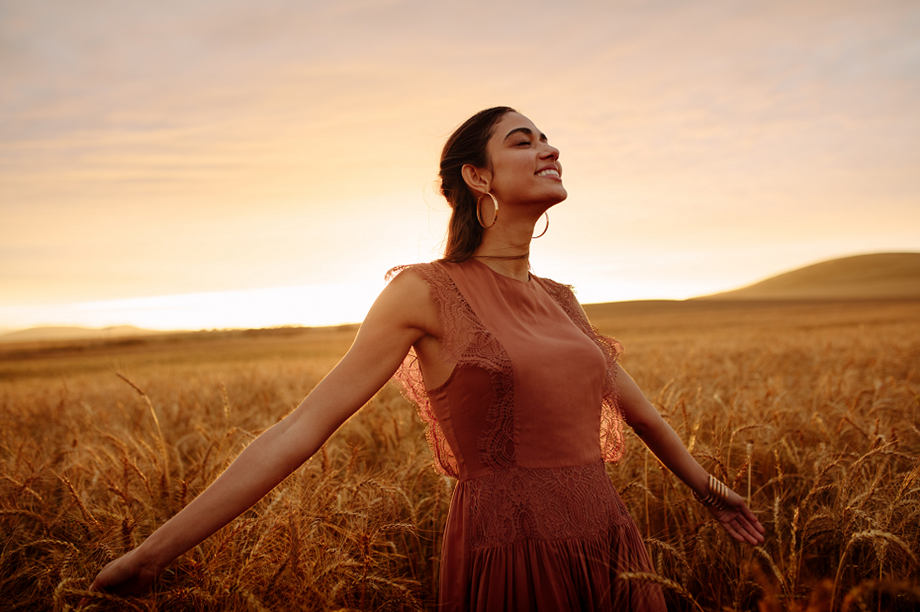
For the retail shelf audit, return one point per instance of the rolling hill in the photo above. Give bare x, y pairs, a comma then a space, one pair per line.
875, 276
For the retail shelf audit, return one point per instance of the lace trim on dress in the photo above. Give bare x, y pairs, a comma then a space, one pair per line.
542, 504
466, 342
613, 444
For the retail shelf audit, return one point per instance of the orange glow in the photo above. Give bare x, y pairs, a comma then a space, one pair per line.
166, 152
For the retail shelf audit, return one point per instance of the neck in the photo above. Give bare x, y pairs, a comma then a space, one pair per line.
505, 247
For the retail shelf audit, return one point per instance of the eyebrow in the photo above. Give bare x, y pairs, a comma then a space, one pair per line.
524, 130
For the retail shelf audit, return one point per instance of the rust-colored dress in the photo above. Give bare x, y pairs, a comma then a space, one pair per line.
525, 422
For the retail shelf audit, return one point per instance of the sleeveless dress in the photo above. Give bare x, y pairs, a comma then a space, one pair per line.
525, 422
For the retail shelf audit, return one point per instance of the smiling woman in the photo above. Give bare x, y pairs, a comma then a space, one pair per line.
466, 162
523, 399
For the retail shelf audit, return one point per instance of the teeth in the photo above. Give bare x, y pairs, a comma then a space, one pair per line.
548, 172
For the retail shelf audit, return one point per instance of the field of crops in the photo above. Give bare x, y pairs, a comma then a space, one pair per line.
810, 410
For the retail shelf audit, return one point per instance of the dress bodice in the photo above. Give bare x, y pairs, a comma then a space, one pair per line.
532, 385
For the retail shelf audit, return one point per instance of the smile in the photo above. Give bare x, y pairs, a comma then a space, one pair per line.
548, 172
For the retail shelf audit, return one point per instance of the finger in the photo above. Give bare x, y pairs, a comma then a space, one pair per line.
750, 538
758, 526
99, 585
732, 531
742, 536
752, 519
755, 532
744, 514
736, 528
747, 530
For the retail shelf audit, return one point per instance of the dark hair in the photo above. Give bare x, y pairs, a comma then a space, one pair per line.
467, 145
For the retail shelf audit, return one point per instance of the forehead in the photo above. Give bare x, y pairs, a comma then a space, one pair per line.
511, 122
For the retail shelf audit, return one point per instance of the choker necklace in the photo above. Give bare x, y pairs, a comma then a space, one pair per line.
524, 256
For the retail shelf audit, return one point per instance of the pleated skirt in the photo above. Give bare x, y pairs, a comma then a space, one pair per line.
543, 540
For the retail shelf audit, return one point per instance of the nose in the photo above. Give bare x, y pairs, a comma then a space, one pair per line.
550, 152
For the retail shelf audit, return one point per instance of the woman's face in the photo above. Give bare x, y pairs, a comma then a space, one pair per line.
524, 166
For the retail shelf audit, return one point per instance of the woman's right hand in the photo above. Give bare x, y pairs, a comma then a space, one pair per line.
398, 319
130, 574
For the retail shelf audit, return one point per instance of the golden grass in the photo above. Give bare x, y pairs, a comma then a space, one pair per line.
810, 412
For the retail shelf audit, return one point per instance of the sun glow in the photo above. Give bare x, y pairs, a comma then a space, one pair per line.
706, 145
313, 305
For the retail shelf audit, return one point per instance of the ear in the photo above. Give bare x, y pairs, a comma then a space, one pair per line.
477, 179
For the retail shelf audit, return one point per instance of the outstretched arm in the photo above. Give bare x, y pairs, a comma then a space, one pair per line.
661, 438
400, 316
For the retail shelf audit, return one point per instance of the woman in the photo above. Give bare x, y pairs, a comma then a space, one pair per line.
524, 402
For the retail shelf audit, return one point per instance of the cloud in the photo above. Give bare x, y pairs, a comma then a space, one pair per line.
175, 145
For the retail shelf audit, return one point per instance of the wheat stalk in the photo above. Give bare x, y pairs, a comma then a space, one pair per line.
871, 535
665, 582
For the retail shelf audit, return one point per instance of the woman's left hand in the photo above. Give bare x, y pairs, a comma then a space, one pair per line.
739, 521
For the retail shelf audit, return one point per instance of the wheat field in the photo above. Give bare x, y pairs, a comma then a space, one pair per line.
808, 409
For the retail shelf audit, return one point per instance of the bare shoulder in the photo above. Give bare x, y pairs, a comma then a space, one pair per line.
406, 302
408, 287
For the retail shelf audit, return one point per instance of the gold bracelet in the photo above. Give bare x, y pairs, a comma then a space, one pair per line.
718, 494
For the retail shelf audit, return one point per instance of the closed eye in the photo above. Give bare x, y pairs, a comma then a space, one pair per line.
524, 131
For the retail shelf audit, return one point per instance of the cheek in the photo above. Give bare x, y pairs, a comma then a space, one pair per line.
521, 168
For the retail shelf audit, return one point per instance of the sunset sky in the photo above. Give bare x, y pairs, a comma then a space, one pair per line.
243, 163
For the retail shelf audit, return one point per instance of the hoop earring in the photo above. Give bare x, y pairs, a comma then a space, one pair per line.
479, 214
545, 214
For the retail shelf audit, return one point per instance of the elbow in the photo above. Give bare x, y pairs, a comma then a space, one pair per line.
644, 424
640, 429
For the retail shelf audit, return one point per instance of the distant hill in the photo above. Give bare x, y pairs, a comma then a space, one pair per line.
876, 276
37, 334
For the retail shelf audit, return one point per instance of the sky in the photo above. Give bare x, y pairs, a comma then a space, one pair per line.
243, 163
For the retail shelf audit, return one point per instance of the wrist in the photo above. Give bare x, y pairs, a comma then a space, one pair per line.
715, 496
153, 555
